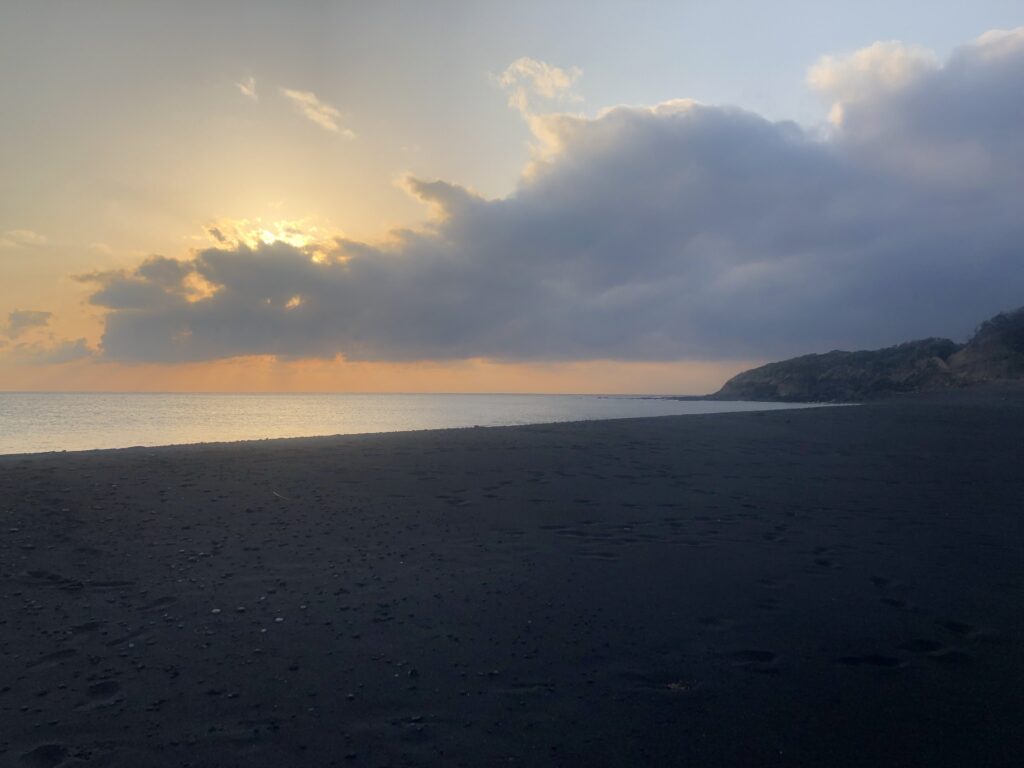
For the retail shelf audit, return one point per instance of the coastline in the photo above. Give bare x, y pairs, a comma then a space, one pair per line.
184, 419
818, 586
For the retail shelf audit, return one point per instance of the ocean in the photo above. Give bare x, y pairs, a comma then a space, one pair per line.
37, 422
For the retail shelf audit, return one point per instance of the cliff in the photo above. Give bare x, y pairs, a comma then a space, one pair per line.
994, 353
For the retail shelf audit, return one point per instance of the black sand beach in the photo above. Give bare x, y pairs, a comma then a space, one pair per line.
830, 587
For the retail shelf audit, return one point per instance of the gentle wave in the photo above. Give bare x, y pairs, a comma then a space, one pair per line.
36, 422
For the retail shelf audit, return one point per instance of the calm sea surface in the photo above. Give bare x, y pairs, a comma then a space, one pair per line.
30, 423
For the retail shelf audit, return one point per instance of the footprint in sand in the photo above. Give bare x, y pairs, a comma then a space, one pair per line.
870, 660
716, 624
921, 645
765, 662
600, 555
104, 690
752, 657
52, 658
89, 626
102, 694
160, 602
45, 756
961, 629
950, 657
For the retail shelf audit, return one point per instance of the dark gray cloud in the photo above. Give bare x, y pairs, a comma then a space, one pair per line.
41, 347
21, 320
681, 231
53, 353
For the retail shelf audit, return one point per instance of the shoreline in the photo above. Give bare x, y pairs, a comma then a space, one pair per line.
327, 436
833, 586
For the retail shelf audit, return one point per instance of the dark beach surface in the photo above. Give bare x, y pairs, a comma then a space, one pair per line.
829, 587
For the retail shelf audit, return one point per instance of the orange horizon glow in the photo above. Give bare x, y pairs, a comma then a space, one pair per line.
264, 374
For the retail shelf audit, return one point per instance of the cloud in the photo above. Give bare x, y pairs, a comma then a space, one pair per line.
529, 81
248, 88
880, 68
22, 320
319, 112
682, 231
229, 232
21, 238
44, 349
950, 122
55, 353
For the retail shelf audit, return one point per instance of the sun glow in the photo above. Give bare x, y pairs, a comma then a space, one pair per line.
198, 288
285, 234
298, 233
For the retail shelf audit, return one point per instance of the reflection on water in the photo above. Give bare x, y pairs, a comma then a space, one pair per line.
58, 421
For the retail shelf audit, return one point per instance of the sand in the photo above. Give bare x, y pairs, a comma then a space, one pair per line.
831, 587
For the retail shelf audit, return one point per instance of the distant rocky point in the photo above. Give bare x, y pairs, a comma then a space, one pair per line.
995, 353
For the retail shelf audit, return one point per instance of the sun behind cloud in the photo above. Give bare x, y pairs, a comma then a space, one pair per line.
679, 232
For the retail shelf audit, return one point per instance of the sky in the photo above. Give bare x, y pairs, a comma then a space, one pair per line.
492, 196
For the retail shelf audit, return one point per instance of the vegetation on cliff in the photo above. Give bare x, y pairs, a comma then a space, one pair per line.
994, 353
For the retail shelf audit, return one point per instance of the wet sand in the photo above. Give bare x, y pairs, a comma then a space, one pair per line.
831, 587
